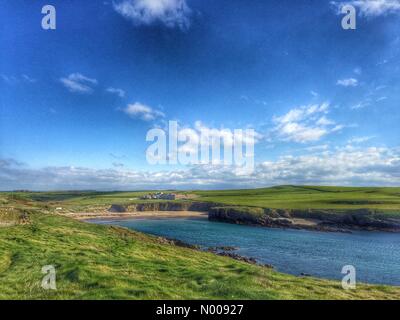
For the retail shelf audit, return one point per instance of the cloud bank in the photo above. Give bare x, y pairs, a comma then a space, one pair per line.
345, 166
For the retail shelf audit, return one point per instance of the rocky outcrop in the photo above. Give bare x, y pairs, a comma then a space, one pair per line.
323, 220
365, 219
116, 208
253, 216
237, 215
163, 206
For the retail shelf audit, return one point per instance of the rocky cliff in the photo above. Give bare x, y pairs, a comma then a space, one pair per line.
312, 219
163, 206
324, 220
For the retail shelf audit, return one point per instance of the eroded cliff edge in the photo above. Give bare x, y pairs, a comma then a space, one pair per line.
311, 219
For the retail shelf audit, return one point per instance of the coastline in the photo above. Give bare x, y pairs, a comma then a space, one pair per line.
226, 249
232, 217
137, 215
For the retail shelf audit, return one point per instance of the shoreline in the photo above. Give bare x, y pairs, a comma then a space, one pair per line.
295, 223
227, 251
138, 215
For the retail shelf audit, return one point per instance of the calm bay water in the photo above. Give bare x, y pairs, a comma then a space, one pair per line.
375, 255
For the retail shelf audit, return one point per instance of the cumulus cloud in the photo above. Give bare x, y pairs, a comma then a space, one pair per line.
171, 13
227, 134
305, 124
143, 112
351, 82
371, 8
77, 82
119, 92
346, 166
201, 133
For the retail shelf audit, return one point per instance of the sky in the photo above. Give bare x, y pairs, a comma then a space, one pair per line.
77, 102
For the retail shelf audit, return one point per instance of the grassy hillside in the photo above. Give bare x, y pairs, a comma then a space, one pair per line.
100, 262
308, 197
282, 197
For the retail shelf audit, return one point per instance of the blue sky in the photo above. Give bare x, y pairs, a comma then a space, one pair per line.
76, 102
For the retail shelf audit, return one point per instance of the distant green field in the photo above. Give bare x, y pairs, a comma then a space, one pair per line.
385, 200
101, 262
309, 197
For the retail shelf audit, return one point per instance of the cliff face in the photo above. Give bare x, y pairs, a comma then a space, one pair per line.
312, 219
163, 206
363, 219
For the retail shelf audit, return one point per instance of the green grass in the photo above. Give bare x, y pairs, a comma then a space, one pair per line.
307, 197
385, 200
102, 262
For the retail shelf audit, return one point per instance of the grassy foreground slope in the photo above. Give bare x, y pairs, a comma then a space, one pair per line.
102, 262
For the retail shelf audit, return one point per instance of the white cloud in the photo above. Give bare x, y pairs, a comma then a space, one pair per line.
76, 82
351, 82
171, 13
371, 8
381, 99
361, 105
11, 80
304, 124
377, 7
300, 133
356, 140
8, 79
143, 112
324, 121
319, 148
346, 166
119, 92
28, 78
253, 100
225, 135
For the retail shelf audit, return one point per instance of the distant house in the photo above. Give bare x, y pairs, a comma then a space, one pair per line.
168, 196
159, 196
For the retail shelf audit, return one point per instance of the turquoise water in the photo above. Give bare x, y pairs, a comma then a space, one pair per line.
375, 255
